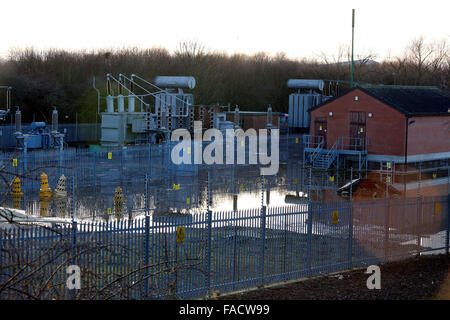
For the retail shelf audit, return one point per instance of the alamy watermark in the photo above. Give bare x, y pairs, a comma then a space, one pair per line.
74, 277
213, 153
374, 281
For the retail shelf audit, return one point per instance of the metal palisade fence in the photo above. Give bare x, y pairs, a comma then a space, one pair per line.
197, 255
97, 166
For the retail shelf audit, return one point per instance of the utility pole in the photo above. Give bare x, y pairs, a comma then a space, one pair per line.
353, 38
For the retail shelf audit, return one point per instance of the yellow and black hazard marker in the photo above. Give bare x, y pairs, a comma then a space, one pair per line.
437, 208
335, 217
180, 234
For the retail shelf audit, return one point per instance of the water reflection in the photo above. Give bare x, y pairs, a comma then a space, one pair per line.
231, 188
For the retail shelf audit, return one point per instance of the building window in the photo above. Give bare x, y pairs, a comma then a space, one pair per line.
357, 129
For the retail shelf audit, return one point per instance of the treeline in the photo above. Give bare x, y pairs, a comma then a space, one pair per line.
62, 78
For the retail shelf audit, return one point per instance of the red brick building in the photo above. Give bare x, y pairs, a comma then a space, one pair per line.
397, 123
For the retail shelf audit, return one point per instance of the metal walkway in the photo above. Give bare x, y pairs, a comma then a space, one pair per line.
318, 157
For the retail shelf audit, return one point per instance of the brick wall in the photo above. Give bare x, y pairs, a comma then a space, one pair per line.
385, 129
429, 135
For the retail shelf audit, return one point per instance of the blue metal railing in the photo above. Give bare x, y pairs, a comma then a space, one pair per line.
316, 142
310, 141
324, 158
316, 152
219, 251
350, 143
332, 154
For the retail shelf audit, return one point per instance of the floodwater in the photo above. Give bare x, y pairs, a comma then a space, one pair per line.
238, 192
239, 187
171, 190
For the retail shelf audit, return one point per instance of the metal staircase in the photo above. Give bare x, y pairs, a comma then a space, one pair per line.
316, 156
325, 158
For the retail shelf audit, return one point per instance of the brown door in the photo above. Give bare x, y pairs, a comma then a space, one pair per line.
320, 128
357, 130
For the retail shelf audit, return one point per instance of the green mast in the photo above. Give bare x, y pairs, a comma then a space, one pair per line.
353, 37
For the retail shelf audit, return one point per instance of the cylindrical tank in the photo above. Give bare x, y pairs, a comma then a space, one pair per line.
305, 84
120, 103
269, 116
37, 125
109, 104
55, 120
175, 82
18, 121
236, 117
131, 99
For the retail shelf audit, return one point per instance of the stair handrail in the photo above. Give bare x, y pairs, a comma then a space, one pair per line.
316, 151
331, 154
356, 144
308, 140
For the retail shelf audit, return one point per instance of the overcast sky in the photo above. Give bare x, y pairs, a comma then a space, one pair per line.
298, 28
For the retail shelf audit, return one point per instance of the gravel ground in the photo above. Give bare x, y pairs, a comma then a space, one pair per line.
425, 277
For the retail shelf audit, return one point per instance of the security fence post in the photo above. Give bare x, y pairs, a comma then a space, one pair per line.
309, 238
74, 242
73, 199
74, 252
350, 236
61, 160
147, 200
419, 221
309, 226
386, 231
208, 241
262, 234
147, 256
263, 244
122, 164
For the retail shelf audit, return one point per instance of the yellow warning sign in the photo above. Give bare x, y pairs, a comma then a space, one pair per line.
176, 186
334, 220
180, 234
109, 155
14, 162
438, 208
188, 201
434, 175
332, 178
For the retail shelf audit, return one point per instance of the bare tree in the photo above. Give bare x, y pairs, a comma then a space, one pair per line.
426, 57
190, 49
